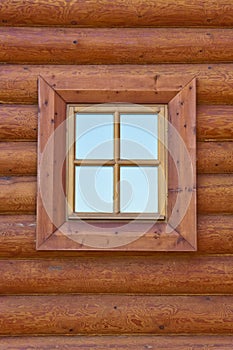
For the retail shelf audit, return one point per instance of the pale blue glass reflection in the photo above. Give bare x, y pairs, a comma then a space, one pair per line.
139, 136
139, 190
94, 136
93, 189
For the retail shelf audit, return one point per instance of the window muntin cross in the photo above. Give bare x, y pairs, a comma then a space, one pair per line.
117, 162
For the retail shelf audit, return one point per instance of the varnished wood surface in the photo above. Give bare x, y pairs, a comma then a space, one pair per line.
127, 342
52, 113
17, 194
19, 158
18, 122
154, 274
214, 122
202, 274
214, 157
215, 234
182, 116
94, 13
115, 314
18, 84
115, 45
215, 191
17, 239
184, 239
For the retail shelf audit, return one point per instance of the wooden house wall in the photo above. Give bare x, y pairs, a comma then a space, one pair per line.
119, 300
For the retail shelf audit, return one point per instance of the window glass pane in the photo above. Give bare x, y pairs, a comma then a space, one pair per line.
139, 134
94, 136
139, 189
93, 189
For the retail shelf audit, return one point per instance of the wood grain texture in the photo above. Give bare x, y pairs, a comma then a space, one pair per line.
182, 173
30, 52
184, 219
214, 122
214, 157
115, 45
93, 13
19, 158
47, 173
215, 234
215, 194
127, 342
115, 314
157, 274
18, 122
18, 84
18, 194
17, 239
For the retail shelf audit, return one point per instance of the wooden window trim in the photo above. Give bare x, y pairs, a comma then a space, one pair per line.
117, 162
179, 92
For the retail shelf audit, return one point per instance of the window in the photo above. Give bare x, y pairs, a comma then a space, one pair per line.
163, 228
117, 162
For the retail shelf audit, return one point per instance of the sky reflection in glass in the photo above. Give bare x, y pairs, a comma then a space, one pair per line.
93, 189
139, 134
94, 136
94, 184
139, 189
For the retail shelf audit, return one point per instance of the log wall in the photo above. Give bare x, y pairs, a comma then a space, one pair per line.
116, 300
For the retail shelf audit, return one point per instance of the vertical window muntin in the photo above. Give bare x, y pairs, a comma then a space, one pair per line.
160, 111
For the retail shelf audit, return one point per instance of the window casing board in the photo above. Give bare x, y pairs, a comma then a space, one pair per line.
54, 230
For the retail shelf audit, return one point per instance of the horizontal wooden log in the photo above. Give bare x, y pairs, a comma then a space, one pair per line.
214, 194
132, 13
19, 158
17, 238
215, 234
18, 194
214, 122
115, 314
115, 45
214, 157
18, 122
158, 274
18, 84
127, 342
